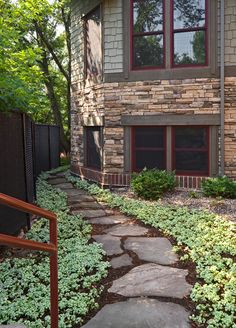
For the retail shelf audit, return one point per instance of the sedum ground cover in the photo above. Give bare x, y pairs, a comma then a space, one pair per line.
24, 282
207, 239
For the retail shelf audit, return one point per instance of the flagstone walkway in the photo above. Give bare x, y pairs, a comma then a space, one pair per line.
146, 286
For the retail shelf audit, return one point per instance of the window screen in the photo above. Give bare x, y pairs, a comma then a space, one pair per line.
191, 150
93, 147
149, 148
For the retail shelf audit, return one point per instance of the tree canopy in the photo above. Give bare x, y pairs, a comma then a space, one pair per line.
35, 60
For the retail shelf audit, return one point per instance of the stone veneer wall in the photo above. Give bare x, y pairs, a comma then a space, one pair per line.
190, 96
230, 126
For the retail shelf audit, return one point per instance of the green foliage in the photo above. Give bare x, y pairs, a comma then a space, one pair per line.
152, 184
219, 187
24, 282
208, 240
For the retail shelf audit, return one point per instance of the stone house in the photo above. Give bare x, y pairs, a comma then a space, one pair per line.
153, 85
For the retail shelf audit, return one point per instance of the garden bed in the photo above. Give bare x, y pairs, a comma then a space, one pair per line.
24, 275
205, 238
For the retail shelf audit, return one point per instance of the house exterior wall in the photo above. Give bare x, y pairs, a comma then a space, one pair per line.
121, 94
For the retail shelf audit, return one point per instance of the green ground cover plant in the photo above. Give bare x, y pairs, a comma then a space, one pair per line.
206, 238
24, 282
219, 187
152, 184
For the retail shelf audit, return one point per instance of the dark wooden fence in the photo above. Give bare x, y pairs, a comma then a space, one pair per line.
24, 152
46, 148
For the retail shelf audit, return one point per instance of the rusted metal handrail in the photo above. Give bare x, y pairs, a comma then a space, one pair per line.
33, 245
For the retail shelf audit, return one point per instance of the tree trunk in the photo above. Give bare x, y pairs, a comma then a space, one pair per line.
55, 107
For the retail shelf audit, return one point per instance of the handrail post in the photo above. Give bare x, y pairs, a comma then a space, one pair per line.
54, 276
29, 244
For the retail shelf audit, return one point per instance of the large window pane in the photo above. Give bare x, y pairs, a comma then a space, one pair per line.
93, 141
148, 51
191, 138
189, 48
191, 150
149, 148
150, 159
189, 14
149, 137
148, 16
190, 162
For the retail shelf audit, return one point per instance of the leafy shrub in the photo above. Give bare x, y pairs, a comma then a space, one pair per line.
219, 187
152, 184
24, 282
208, 240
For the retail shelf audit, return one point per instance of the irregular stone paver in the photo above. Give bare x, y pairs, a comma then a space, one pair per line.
121, 261
140, 313
127, 230
88, 205
157, 250
110, 244
152, 280
66, 185
79, 198
55, 181
113, 219
89, 213
72, 193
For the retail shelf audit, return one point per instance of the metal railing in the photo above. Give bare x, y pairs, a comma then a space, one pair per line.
51, 247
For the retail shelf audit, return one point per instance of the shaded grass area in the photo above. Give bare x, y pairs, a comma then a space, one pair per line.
24, 281
205, 238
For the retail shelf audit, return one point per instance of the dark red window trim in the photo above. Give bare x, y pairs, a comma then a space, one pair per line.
133, 148
207, 150
132, 35
173, 31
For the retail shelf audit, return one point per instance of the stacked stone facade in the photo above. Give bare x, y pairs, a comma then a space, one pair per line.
114, 100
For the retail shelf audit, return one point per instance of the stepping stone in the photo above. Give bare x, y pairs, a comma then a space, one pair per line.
89, 214
157, 250
88, 205
80, 198
110, 244
56, 180
127, 230
76, 192
140, 313
113, 219
12, 326
66, 185
152, 280
121, 261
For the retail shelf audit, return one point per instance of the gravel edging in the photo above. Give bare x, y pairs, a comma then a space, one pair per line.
194, 200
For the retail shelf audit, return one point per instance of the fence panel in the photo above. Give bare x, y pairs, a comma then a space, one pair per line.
16, 168
46, 147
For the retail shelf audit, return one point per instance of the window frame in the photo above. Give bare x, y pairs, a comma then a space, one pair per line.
195, 29
207, 150
85, 33
169, 148
134, 149
168, 50
132, 35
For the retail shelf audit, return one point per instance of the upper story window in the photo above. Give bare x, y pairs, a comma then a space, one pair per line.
148, 33
93, 45
168, 31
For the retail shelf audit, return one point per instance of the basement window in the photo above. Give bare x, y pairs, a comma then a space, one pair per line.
183, 149
93, 147
149, 148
